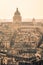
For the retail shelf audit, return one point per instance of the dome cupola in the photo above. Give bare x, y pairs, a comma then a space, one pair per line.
17, 16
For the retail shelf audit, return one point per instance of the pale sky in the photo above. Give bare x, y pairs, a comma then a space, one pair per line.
28, 8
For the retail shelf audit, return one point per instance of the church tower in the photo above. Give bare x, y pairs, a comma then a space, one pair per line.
17, 16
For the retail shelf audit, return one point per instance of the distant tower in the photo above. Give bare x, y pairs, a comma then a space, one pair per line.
33, 20
17, 16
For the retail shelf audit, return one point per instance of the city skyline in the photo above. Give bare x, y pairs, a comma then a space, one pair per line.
27, 8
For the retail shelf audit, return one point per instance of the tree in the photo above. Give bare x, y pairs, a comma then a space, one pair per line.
41, 38
12, 41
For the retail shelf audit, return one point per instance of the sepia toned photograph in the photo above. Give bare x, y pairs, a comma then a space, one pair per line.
21, 32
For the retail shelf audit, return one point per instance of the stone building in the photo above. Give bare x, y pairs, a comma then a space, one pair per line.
20, 38
20, 35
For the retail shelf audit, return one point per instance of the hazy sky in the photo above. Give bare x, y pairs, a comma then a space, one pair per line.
28, 8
